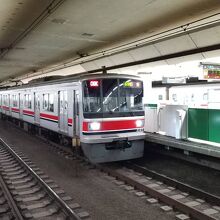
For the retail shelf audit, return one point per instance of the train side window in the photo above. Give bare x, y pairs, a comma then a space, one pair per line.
5, 100
21, 100
38, 102
45, 101
51, 102
8, 100
77, 105
27, 101
14, 100
48, 102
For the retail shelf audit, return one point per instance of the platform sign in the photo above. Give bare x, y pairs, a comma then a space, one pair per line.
211, 71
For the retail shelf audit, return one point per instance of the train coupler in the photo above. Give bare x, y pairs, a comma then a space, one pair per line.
118, 145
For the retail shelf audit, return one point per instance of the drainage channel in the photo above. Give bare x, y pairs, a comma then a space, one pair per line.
31, 194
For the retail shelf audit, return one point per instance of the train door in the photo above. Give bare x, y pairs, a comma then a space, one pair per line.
37, 108
0, 103
20, 106
75, 113
9, 104
63, 111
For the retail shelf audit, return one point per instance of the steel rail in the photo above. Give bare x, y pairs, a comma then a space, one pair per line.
71, 214
192, 212
212, 199
10, 200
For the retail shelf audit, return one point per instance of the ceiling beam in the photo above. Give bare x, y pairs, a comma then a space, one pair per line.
159, 58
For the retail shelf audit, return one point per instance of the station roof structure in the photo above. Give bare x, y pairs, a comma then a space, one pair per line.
46, 35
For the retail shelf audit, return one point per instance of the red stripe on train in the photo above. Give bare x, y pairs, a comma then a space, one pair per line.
114, 125
47, 116
5, 108
15, 110
28, 112
70, 121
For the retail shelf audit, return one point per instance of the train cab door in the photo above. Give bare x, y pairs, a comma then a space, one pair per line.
20, 106
37, 108
63, 111
76, 119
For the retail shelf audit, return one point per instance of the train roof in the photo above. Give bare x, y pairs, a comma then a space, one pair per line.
71, 78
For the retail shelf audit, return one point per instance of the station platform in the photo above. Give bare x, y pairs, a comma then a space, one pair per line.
186, 145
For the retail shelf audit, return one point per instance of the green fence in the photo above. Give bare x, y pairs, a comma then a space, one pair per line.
204, 124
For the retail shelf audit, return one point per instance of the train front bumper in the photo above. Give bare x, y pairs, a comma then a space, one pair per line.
114, 147
106, 138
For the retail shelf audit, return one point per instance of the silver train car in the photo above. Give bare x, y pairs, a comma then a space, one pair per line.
103, 113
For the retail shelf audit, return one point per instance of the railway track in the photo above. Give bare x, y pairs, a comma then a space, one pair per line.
190, 202
9, 209
174, 183
27, 193
187, 201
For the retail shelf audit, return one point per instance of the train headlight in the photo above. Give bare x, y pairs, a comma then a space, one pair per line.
139, 123
94, 126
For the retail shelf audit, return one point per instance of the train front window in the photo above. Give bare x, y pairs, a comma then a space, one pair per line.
131, 95
110, 95
92, 96
112, 98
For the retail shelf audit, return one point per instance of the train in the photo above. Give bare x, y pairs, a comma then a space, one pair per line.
101, 113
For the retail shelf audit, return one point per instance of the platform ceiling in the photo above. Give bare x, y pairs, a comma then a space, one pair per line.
37, 34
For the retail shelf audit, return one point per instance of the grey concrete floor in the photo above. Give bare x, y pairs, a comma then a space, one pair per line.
90, 188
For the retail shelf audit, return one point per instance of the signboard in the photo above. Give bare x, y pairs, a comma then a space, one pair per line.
175, 80
94, 83
211, 71
131, 84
